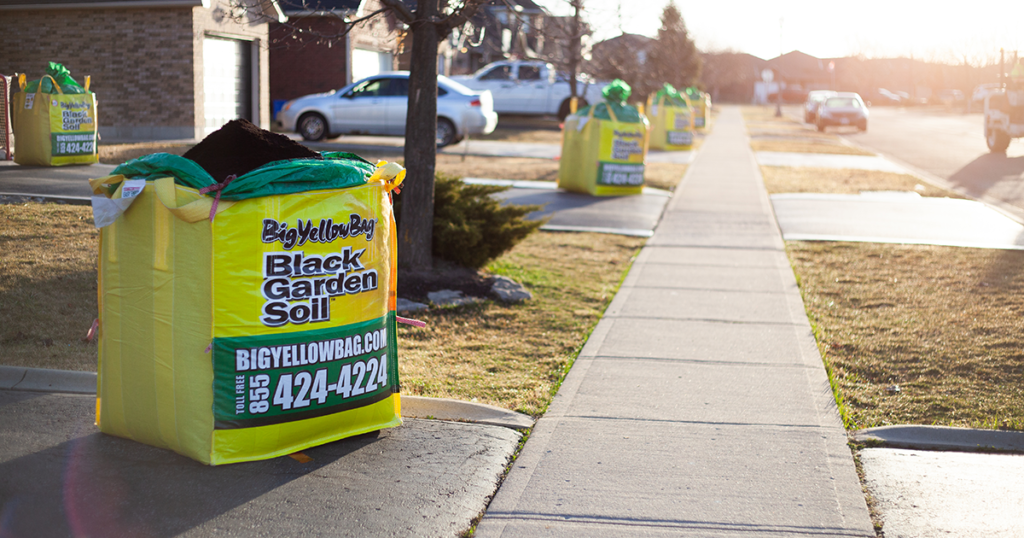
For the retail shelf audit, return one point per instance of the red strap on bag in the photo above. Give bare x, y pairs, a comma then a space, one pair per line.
217, 188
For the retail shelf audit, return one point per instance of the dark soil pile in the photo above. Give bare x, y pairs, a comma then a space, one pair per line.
239, 147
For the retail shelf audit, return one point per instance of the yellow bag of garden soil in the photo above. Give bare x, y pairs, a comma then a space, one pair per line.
671, 120
251, 325
603, 157
701, 102
54, 129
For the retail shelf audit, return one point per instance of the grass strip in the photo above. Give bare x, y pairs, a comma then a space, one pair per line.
788, 135
47, 285
512, 356
918, 334
515, 356
782, 179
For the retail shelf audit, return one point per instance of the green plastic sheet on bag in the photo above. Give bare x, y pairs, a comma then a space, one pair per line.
693, 93
63, 78
672, 97
338, 170
615, 95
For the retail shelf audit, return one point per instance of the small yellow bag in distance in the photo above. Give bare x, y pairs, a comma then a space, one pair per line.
269, 330
54, 129
671, 125
602, 157
701, 111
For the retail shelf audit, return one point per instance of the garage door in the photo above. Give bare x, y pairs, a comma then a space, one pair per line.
366, 63
227, 81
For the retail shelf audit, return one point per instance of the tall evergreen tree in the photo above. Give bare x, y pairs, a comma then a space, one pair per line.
674, 58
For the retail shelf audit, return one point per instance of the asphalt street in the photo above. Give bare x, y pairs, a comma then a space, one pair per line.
949, 146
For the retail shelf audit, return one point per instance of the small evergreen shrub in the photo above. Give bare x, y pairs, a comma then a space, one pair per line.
470, 227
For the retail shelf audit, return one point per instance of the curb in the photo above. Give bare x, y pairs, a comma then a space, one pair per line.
71, 382
45, 380
941, 438
70, 200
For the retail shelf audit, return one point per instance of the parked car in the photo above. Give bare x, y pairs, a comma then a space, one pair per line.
979, 93
844, 108
949, 97
814, 99
530, 87
377, 105
886, 97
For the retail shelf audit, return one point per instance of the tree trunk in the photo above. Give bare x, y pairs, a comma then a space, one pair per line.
575, 47
416, 234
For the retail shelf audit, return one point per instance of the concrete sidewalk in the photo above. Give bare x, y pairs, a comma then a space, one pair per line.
700, 405
60, 477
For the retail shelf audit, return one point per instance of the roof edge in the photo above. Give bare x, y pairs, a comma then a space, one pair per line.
102, 4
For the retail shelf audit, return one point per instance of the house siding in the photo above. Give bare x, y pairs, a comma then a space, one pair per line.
214, 22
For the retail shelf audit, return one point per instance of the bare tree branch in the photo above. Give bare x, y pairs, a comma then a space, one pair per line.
401, 12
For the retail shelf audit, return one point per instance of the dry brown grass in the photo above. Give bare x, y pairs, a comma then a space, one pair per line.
663, 175
548, 132
945, 325
119, 153
806, 145
47, 285
781, 179
789, 135
510, 356
515, 356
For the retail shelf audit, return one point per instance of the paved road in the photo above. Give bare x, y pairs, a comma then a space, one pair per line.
948, 146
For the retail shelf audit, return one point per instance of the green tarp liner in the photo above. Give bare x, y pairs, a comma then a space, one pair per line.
615, 96
63, 78
672, 97
338, 170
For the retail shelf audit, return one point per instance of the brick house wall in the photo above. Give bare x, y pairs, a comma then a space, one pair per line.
301, 67
301, 63
145, 63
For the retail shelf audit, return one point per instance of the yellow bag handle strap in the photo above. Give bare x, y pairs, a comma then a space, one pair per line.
88, 80
21, 81
55, 85
193, 211
39, 93
99, 183
611, 112
590, 113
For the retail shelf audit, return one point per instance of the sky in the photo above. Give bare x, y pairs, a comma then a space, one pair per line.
952, 32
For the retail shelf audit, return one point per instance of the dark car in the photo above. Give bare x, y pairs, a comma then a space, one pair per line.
843, 109
814, 100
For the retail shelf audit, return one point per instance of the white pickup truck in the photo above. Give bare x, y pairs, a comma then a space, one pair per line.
529, 87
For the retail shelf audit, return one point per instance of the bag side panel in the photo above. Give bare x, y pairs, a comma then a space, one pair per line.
73, 127
155, 324
31, 129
